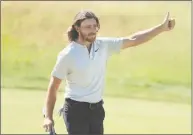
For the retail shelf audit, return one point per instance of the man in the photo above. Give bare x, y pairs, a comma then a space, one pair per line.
82, 64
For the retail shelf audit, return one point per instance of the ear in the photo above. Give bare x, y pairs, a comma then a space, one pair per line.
77, 28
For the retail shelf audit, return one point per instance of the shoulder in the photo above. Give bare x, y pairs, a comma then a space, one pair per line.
102, 39
106, 40
66, 52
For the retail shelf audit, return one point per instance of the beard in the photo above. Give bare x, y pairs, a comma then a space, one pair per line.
89, 38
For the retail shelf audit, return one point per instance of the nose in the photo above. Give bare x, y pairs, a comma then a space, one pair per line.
95, 29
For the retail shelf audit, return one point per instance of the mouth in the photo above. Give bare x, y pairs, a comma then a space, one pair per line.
92, 35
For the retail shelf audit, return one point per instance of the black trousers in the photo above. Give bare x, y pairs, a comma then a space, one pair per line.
84, 118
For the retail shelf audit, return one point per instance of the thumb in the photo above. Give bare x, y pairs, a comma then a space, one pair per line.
167, 16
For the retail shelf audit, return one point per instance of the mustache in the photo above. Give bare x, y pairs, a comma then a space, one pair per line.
92, 34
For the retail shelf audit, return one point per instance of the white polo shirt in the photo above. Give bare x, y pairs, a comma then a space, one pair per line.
85, 73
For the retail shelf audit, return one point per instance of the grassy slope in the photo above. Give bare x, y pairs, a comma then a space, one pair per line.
21, 114
33, 34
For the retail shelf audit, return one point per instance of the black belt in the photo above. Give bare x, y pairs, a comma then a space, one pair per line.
90, 105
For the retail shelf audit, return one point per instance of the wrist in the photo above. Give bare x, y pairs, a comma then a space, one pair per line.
48, 117
161, 28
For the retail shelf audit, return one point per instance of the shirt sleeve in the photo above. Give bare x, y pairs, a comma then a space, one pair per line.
113, 45
61, 67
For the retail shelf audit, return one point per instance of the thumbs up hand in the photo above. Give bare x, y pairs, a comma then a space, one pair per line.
168, 23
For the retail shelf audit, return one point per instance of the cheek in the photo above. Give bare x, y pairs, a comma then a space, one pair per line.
84, 33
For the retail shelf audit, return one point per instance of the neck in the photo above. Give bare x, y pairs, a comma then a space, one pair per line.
84, 43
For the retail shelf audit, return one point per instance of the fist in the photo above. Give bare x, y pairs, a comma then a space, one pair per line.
168, 23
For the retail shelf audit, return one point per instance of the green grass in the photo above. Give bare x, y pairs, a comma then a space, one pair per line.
34, 32
21, 114
159, 71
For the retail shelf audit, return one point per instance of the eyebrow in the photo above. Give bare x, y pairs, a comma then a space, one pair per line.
91, 25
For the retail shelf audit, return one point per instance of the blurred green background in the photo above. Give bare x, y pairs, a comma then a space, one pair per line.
33, 33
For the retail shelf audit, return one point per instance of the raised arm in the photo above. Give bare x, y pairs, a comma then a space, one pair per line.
146, 35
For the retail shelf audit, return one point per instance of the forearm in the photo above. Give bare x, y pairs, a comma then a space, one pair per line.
51, 97
143, 36
50, 102
146, 35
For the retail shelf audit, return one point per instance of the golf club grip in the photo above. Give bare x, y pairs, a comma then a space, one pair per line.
52, 132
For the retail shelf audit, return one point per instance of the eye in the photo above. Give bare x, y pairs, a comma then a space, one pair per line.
88, 27
95, 26
91, 27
